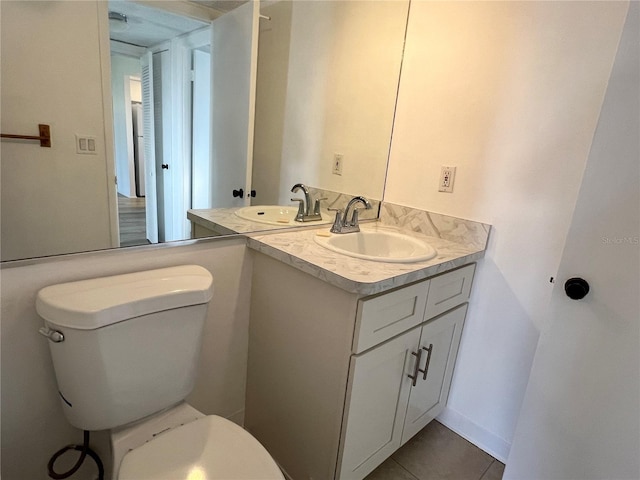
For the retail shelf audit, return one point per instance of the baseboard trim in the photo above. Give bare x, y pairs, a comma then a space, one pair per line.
485, 440
237, 417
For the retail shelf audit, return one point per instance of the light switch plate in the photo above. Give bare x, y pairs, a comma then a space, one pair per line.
86, 145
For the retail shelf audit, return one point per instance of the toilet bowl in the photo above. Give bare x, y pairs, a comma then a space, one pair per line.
125, 350
182, 443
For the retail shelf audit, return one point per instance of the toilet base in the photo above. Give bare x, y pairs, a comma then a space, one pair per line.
128, 437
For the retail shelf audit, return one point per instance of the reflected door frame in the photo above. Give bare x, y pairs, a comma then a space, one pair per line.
110, 171
183, 48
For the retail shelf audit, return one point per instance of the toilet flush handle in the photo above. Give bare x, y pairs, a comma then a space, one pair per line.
54, 335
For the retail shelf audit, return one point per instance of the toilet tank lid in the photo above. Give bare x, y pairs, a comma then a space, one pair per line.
95, 303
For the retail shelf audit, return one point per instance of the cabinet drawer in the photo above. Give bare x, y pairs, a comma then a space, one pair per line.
449, 290
380, 318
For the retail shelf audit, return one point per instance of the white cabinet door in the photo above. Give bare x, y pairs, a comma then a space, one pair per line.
439, 344
377, 397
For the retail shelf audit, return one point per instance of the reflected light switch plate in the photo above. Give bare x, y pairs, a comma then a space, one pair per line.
86, 145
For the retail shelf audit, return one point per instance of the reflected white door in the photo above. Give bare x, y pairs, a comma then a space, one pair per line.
167, 163
581, 414
151, 198
201, 130
234, 61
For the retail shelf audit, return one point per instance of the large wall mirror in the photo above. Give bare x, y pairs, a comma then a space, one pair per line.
187, 103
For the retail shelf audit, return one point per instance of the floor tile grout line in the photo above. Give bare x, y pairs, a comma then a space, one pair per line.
467, 441
493, 459
487, 469
461, 442
404, 468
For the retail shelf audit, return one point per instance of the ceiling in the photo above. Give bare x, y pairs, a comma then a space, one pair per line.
147, 26
222, 5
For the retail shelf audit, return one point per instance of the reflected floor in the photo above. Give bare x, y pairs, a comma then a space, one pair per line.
132, 221
437, 453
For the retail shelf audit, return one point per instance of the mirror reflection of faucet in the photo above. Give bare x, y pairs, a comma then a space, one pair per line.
304, 205
342, 224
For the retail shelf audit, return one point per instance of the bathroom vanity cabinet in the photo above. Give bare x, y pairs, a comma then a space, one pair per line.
338, 381
203, 223
198, 231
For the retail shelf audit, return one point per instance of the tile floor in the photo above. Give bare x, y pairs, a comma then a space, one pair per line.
437, 453
132, 221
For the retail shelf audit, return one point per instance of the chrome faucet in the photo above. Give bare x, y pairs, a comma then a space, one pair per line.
304, 206
342, 224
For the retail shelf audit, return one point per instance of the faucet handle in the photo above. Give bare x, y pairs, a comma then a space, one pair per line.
300, 207
316, 206
354, 217
337, 223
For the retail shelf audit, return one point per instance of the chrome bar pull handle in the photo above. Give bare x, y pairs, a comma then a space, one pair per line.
426, 365
54, 335
416, 369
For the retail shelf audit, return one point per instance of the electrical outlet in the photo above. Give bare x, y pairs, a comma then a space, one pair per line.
337, 163
447, 176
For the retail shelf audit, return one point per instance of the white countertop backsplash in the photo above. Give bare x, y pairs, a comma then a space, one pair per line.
458, 230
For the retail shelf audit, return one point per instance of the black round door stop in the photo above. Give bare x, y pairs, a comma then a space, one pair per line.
576, 288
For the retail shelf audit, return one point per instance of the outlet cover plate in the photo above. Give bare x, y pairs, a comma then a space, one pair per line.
337, 163
447, 177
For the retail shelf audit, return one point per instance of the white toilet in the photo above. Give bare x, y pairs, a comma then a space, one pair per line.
125, 350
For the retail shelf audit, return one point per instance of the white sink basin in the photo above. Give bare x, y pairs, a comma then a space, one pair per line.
379, 246
269, 214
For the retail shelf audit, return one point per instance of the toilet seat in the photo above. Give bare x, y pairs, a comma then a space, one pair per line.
206, 449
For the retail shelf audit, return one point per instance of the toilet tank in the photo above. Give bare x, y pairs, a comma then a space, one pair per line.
130, 342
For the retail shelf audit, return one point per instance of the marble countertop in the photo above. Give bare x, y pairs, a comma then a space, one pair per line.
299, 250
225, 220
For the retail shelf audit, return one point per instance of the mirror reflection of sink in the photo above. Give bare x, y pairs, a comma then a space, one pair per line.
269, 214
379, 246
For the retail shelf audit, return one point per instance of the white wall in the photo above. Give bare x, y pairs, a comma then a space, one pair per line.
581, 414
122, 66
509, 92
53, 200
136, 87
271, 93
33, 424
341, 92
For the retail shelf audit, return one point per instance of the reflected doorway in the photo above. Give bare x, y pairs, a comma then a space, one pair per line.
156, 104
131, 200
